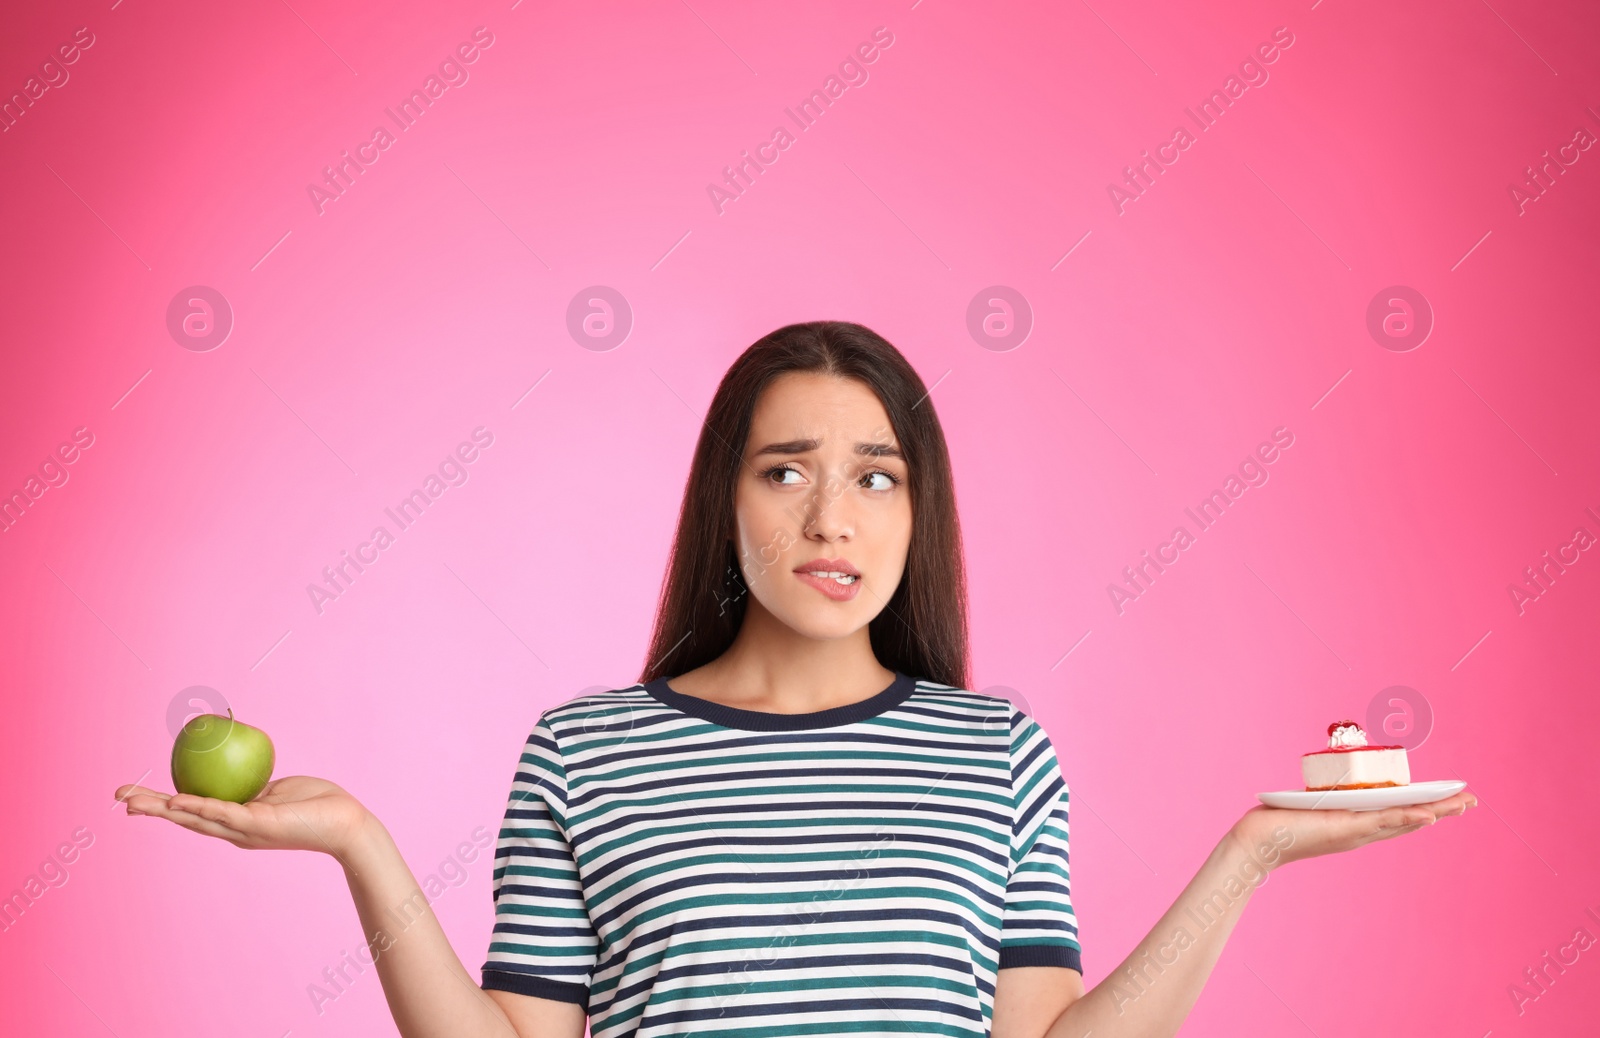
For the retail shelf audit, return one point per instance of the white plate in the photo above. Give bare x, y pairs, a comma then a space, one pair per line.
1364, 799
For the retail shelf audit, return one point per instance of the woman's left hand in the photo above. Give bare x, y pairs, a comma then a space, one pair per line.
1305, 834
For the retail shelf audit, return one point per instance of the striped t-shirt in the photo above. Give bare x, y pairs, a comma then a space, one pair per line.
677, 866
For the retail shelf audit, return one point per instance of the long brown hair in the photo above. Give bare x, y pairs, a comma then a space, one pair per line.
922, 631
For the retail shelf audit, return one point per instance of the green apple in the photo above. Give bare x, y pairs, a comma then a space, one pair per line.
216, 756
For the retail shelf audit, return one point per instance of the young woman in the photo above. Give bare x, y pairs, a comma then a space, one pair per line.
800, 821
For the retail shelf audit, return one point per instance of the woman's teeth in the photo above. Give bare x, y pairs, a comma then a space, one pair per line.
842, 578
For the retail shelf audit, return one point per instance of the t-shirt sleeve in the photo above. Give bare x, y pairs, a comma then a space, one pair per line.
543, 943
1039, 927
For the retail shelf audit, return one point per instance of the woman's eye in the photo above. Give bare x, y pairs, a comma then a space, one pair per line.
781, 472
888, 483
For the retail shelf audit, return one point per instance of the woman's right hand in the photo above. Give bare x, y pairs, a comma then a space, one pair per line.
294, 813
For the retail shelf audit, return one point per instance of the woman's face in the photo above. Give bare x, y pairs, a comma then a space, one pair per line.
822, 480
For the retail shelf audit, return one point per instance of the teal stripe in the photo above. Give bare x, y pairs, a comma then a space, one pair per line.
797, 985
546, 952
734, 759
643, 837
728, 945
973, 909
768, 793
970, 866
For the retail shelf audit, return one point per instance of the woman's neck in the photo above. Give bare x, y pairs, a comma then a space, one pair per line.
774, 669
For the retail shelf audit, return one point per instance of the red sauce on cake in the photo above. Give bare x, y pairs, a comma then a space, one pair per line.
1335, 726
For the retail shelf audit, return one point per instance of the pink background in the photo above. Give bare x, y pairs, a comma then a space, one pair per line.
1228, 301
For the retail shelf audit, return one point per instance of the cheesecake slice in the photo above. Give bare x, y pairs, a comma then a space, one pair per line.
1349, 763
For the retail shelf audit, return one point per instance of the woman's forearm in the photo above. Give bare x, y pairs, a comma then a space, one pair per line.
430, 993
1152, 991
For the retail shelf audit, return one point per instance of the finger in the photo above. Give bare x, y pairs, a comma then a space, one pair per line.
125, 793
1388, 818
200, 824
161, 806
223, 812
145, 803
1389, 834
1409, 825
1454, 805
206, 826
1398, 817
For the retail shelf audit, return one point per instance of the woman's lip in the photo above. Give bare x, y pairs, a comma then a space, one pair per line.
828, 566
830, 587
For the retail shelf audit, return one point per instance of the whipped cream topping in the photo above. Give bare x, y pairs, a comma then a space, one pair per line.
1344, 734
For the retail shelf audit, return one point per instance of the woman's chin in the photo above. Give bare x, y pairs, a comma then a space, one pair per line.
827, 622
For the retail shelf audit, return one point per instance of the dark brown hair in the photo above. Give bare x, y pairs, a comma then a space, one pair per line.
922, 630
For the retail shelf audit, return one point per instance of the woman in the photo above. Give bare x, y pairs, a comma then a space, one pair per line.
799, 821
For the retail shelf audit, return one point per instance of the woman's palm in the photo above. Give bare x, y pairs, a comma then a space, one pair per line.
1308, 834
294, 813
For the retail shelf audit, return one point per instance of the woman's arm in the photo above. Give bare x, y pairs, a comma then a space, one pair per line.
430, 993
1151, 992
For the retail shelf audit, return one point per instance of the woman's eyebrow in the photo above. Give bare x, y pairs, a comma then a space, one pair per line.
804, 446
